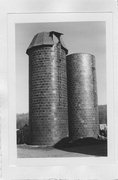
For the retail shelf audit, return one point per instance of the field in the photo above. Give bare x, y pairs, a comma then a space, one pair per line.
87, 147
81, 148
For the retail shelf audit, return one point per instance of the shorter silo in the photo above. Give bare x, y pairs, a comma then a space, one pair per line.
82, 96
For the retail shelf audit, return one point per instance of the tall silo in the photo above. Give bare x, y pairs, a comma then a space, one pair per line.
82, 96
48, 115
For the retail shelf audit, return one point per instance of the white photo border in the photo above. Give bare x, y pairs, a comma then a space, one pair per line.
58, 17
106, 169
12, 171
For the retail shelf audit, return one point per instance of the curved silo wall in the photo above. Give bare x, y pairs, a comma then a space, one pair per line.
82, 96
48, 116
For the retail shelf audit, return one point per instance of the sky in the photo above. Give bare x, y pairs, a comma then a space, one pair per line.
79, 37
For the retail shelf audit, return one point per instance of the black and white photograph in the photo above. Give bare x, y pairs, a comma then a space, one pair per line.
61, 89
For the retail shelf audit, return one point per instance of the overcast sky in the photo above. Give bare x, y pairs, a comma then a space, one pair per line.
86, 37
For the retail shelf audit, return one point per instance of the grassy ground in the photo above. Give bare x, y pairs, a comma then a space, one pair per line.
81, 148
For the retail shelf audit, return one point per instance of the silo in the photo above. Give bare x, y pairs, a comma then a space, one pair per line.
48, 116
82, 96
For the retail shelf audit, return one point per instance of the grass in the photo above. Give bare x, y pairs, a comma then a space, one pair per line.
79, 148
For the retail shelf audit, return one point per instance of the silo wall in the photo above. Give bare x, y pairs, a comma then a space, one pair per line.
82, 96
48, 116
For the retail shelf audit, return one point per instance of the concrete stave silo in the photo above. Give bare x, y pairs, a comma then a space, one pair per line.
48, 116
82, 96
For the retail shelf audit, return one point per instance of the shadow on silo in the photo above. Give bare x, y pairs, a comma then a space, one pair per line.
88, 146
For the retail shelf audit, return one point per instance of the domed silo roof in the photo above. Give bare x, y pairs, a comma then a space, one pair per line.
46, 38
